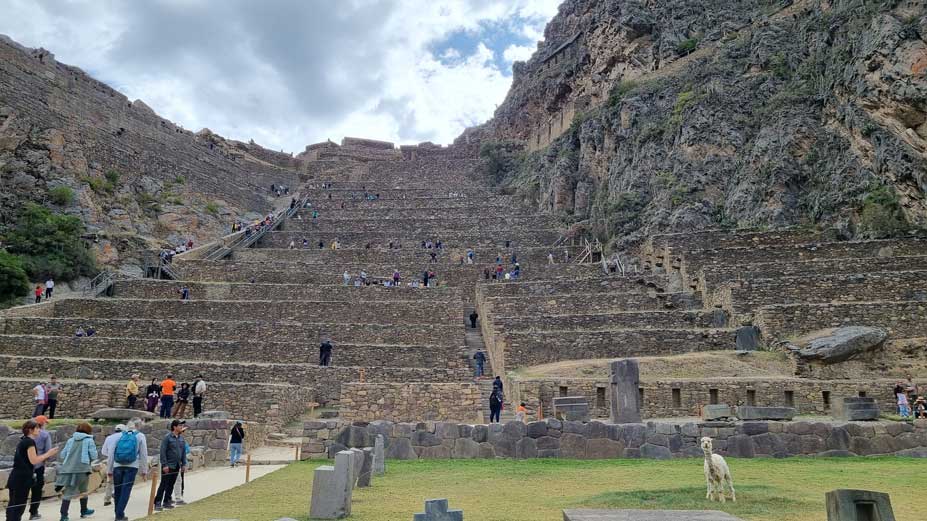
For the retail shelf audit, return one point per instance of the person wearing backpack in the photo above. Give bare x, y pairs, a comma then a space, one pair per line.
73, 477
109, 446
129, 456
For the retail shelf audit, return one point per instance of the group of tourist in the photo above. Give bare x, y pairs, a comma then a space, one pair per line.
167, 254
173, 400
44, 290
126, 454
279, 190
45, 397
911, 404
82, 331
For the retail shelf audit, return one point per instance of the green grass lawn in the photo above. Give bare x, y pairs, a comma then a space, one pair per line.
535, 490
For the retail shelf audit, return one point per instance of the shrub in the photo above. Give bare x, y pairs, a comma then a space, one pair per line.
61, 195
180, 179
14, 283
881, 215
50, 245
500, 159
112, 176
687, 46
621, 90
212, 208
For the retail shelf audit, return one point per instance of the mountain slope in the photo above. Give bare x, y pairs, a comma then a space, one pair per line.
642, 116
135, 179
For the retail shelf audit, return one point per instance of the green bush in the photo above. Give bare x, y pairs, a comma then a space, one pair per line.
619, 91
881, 215
61, 195
687, 46
112, 176
50, 245
14, 283
180, 179
212, 208
500, 160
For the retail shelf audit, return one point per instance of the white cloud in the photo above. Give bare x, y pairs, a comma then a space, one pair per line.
290, 72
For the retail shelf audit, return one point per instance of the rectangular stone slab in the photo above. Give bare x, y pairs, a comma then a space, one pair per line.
646, 515
624, 391
747, 412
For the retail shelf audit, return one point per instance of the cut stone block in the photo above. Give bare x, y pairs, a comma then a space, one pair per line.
858, 505
379, 456
646, 515
717, 411
574, 408
332, 488
366, 471
436, 510
625, 391
748, 338
747, 412
853, 408
358, 464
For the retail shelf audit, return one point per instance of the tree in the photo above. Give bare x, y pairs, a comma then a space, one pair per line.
13, 280
50, 245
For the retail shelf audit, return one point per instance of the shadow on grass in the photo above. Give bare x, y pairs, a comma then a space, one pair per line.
751, 500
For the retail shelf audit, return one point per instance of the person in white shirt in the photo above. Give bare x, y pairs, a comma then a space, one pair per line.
40, 395
49, 287
109, 446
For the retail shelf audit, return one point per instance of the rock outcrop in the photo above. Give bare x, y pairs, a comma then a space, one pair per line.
841, 344
135, 179
642, 117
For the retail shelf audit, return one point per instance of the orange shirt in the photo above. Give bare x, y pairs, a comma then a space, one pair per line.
521, 409
167, 387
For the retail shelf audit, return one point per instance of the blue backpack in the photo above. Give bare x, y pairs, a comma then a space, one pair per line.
126, 449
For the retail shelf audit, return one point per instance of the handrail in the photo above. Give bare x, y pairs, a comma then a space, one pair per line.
98, 284
247, 241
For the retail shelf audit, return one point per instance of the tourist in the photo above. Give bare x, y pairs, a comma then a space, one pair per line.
80, 331
107, 450
425, 278
183, 398
152, 394
499, 271
480, 358
39, 290
321, 245
514, 258
184, 292
396, 277
22, 475
292, 245
495, 405
346, 277
91, 331
43, 444
363, 277
325, 353
52, 389
122, 468
920, 407
199, 392
180, 485
132, 392
236, 438
74, 471
434, 257
473, 316
903, 410
910, 388
305, 244
49, 287
172, 457
497, 384
40, 397
167, 396
521, 413
469, 256
550, 258
487, 273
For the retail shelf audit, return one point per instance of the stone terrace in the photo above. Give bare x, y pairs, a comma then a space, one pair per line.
256, 318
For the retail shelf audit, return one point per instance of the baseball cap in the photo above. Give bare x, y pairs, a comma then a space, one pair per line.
178, 422
41, 419
120, 428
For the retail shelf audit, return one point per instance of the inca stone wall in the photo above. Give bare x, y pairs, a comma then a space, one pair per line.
553, 438
412, 401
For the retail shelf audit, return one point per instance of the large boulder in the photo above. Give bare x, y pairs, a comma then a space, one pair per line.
122, 414
840, 344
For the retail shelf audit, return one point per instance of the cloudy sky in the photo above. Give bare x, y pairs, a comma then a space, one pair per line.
287, 73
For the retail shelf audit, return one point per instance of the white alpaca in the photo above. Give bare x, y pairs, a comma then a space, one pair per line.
716, 474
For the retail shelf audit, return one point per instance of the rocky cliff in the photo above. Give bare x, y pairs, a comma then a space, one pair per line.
135, 179
638, 116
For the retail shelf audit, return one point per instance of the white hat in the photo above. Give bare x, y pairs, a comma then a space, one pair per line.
120, 428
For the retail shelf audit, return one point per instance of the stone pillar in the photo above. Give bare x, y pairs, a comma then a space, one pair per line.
858, 505
332, 488
624, 384
379, 456
366, 468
